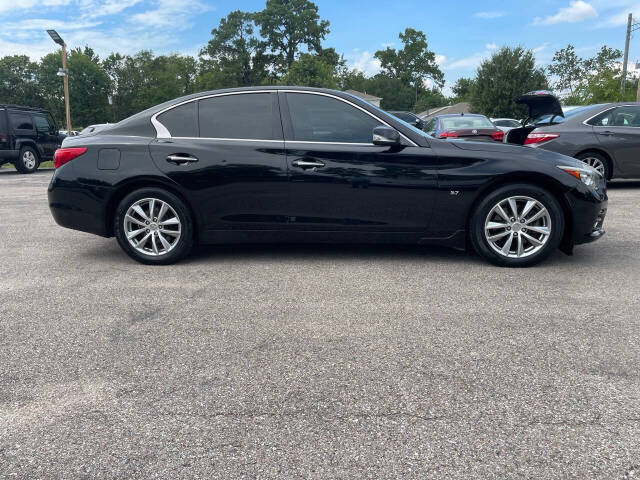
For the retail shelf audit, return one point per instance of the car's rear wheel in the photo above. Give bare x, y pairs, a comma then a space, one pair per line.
154, 226
28, 160
517, 225
596, 161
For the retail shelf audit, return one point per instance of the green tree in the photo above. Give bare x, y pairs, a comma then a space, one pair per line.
509, 73
321, 70
234, 56
568, 70
288, 25
18, 81
462, 89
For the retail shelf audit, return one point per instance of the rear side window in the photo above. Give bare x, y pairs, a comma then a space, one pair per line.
20, 121
181, 120
42, 124
318, 118
243, 116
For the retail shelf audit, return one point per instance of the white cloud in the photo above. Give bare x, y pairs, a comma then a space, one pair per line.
364, 61
577, 11
12, 5
469, 62
491, 46
441, 59
169, 13
489, 15
41, 24
619, 19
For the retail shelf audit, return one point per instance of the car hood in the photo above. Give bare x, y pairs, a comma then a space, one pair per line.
526, 153
541, 102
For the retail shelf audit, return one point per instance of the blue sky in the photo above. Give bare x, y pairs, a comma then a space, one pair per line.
461, 32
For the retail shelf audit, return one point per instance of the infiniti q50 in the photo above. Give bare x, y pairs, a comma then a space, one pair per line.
293, 164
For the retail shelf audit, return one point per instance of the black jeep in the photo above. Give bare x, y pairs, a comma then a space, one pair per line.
28, 136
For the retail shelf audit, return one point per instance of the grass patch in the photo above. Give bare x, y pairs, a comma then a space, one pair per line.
47, 164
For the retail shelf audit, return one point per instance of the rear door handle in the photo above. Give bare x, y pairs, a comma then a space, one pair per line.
181, 159
606, 133
307, 164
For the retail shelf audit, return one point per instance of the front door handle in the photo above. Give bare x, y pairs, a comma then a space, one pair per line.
181, 159
304, 164
606, 133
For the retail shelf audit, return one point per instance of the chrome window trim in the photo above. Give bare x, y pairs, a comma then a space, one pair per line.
586, 122
163, 133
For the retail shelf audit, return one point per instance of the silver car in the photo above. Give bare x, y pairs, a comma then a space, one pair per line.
605, 136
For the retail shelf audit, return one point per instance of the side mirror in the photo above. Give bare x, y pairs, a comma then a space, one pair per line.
386, 136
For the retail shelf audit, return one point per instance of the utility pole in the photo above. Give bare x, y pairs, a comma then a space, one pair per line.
64, 73
626, 54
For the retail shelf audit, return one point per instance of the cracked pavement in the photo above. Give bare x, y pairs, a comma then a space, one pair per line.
314, 361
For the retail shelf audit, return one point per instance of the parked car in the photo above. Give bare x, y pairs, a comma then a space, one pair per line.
506, 124
28, 136
94, 128
296, 164
410, 118
466, 126
604, 136
64, 133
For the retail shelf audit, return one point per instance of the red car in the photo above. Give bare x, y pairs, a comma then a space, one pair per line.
466, 126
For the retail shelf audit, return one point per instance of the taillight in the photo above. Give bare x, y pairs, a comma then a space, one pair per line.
448, 135
540, 138
498, 136
64, 155
3, 137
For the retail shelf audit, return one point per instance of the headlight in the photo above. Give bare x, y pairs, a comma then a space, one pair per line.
587, 175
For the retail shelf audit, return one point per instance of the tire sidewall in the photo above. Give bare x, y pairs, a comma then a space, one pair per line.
481, 244
21, 167
186, 239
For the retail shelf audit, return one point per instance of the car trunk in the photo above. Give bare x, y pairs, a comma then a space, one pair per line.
475, 134
539, 104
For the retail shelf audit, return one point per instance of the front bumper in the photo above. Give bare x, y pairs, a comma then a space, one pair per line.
589, 209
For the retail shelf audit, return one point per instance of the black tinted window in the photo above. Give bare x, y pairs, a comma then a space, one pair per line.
20, 121
181, 120
248, 115
42, 125
318, 118
3, 123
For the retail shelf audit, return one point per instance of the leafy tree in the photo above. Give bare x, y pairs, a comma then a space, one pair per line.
509, 73
288, 25
463, 88
568, 69
234, 56
18, 81
322, 70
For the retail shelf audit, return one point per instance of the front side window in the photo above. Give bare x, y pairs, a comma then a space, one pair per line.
181, 120
319, 118
3, 124
42, 125
244, 116
20, 121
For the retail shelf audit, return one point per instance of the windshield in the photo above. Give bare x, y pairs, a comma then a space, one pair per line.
466, 121
407, 117
409, 126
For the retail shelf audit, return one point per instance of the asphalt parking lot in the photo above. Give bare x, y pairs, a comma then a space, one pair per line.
314, 361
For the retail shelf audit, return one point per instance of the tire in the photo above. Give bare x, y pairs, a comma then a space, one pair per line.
529, 244
162, 238
597, 161
28, 160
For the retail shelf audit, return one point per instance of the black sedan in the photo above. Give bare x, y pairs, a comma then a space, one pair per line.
290, 164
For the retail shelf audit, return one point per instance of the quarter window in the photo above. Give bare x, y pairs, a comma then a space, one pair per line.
241, 116
21, 121
181, 120
318, 118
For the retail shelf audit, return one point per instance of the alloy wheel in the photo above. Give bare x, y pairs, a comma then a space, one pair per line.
152, 227
29, 159
518, 227
596, 163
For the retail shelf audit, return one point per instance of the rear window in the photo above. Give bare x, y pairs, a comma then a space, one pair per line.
20, 121
456, 123
181, 120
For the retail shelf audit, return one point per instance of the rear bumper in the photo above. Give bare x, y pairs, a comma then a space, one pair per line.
8, 155
78, 206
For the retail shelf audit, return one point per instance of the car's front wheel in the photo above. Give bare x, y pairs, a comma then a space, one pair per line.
28, 160
154, 226
517, 225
